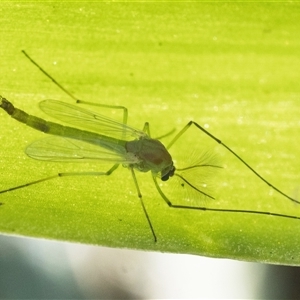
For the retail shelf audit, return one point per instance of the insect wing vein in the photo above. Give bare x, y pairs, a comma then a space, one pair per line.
86, 119
66, 149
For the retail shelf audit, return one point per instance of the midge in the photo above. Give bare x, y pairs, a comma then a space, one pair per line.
103, 139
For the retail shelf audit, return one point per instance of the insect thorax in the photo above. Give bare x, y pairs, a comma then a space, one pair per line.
152, 155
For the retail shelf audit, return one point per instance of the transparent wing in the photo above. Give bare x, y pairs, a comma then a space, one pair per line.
86, 119
65, 149
192, 183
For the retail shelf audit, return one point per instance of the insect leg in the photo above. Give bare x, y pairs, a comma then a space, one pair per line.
225, 210
143, 205
59, 175
125, 111
49, 76
146, 129
186, 127
165, 134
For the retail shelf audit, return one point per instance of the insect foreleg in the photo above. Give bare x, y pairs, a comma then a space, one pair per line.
125, 111
186, 127
49, 76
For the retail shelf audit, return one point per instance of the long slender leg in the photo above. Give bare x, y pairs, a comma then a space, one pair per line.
49, 76
125, 111
185, 128
203, 208
64, 174
143, 205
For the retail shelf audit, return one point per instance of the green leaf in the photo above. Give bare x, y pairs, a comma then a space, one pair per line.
231, 67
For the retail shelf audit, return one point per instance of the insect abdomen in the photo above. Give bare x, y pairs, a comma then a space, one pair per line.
23, 117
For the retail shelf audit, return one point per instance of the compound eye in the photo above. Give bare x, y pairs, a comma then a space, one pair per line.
168, 175
171, 173
165, 177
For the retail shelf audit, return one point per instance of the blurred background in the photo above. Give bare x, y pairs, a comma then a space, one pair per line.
40, 269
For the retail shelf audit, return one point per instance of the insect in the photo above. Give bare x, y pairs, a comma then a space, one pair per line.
94, 137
